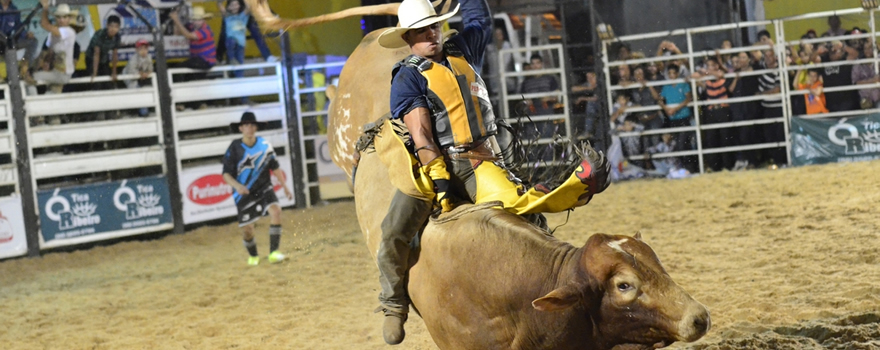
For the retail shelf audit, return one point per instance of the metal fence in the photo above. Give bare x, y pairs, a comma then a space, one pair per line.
779, 46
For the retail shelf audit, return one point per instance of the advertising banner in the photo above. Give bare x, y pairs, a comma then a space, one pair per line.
815, 141
104, 210
13, 241
133, 29
207, 197
325, 165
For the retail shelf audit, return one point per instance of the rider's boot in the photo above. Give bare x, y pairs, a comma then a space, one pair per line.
392, 329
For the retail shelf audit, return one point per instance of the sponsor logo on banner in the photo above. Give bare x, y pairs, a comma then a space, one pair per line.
103, 208
276, 186
855, 142
817, 141
74, 213
209, 189
5, 229
144, 203
208, 197
12, 236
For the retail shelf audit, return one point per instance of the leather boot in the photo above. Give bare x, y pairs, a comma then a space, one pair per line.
392, 329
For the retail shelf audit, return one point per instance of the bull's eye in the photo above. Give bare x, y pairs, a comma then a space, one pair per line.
623, 287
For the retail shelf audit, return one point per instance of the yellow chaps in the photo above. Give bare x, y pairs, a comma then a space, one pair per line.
493, 182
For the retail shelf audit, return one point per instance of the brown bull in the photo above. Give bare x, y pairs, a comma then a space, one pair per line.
486, 279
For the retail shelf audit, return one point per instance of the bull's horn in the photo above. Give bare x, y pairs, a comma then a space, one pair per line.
331, 92
268, 21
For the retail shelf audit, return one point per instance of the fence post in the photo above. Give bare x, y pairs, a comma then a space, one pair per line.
26, 186
169, 133
297, 154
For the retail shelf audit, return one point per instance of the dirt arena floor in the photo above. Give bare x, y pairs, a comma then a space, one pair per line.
784, 259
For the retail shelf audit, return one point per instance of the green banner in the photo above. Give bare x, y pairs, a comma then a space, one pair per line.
818, 141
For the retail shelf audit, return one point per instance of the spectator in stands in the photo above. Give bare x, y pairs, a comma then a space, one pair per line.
623, 52
725, 59
202, 49
102, 55
811, 34
743, 111
59, 59
10, 19
587, 102
663, 166
834, 28
643, 97
717, 89
618, 109
769, 87
623, 121
815, 99
539, 83
140, 64
235, 18
624, 76
840, 75
674, 100
764, 38
653, 71
493, 70
252, 27
864, 74
668, 48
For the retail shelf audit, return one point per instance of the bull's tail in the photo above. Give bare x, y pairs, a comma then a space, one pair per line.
268, 21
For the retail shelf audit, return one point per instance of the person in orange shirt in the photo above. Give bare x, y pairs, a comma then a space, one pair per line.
816, 98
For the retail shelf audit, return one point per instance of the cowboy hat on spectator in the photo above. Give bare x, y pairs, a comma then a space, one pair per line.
412, 14
198, 13
62, 10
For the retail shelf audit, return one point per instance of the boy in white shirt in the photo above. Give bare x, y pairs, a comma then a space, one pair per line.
61, 40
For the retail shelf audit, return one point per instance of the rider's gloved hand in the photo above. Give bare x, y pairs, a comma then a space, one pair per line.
600, 169
436, 170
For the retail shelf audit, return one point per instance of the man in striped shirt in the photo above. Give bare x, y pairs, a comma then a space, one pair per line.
201, 39
768, 86
717, 90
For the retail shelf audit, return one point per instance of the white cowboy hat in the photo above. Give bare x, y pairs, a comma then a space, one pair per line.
198, 12
62, 10
412, 14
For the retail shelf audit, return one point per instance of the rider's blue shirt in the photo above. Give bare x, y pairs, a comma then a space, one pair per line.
409, 89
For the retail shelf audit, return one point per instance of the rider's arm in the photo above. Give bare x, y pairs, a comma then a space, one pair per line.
418, 121
477, 33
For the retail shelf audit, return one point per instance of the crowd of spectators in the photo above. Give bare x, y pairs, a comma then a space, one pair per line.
48, 69
721, 76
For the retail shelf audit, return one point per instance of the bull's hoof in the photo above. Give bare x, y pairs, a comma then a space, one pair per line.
392, 330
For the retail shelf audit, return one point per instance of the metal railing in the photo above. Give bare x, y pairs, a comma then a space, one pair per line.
784, 67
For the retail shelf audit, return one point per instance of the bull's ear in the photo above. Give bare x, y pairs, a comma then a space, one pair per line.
638, 235
559, 299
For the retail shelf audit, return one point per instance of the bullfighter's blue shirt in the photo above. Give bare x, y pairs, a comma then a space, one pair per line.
409, 89
250, 165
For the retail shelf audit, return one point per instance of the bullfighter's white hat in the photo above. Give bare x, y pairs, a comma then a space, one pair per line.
412, 14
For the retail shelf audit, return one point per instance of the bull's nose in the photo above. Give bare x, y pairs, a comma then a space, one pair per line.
697, 325
701, 324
